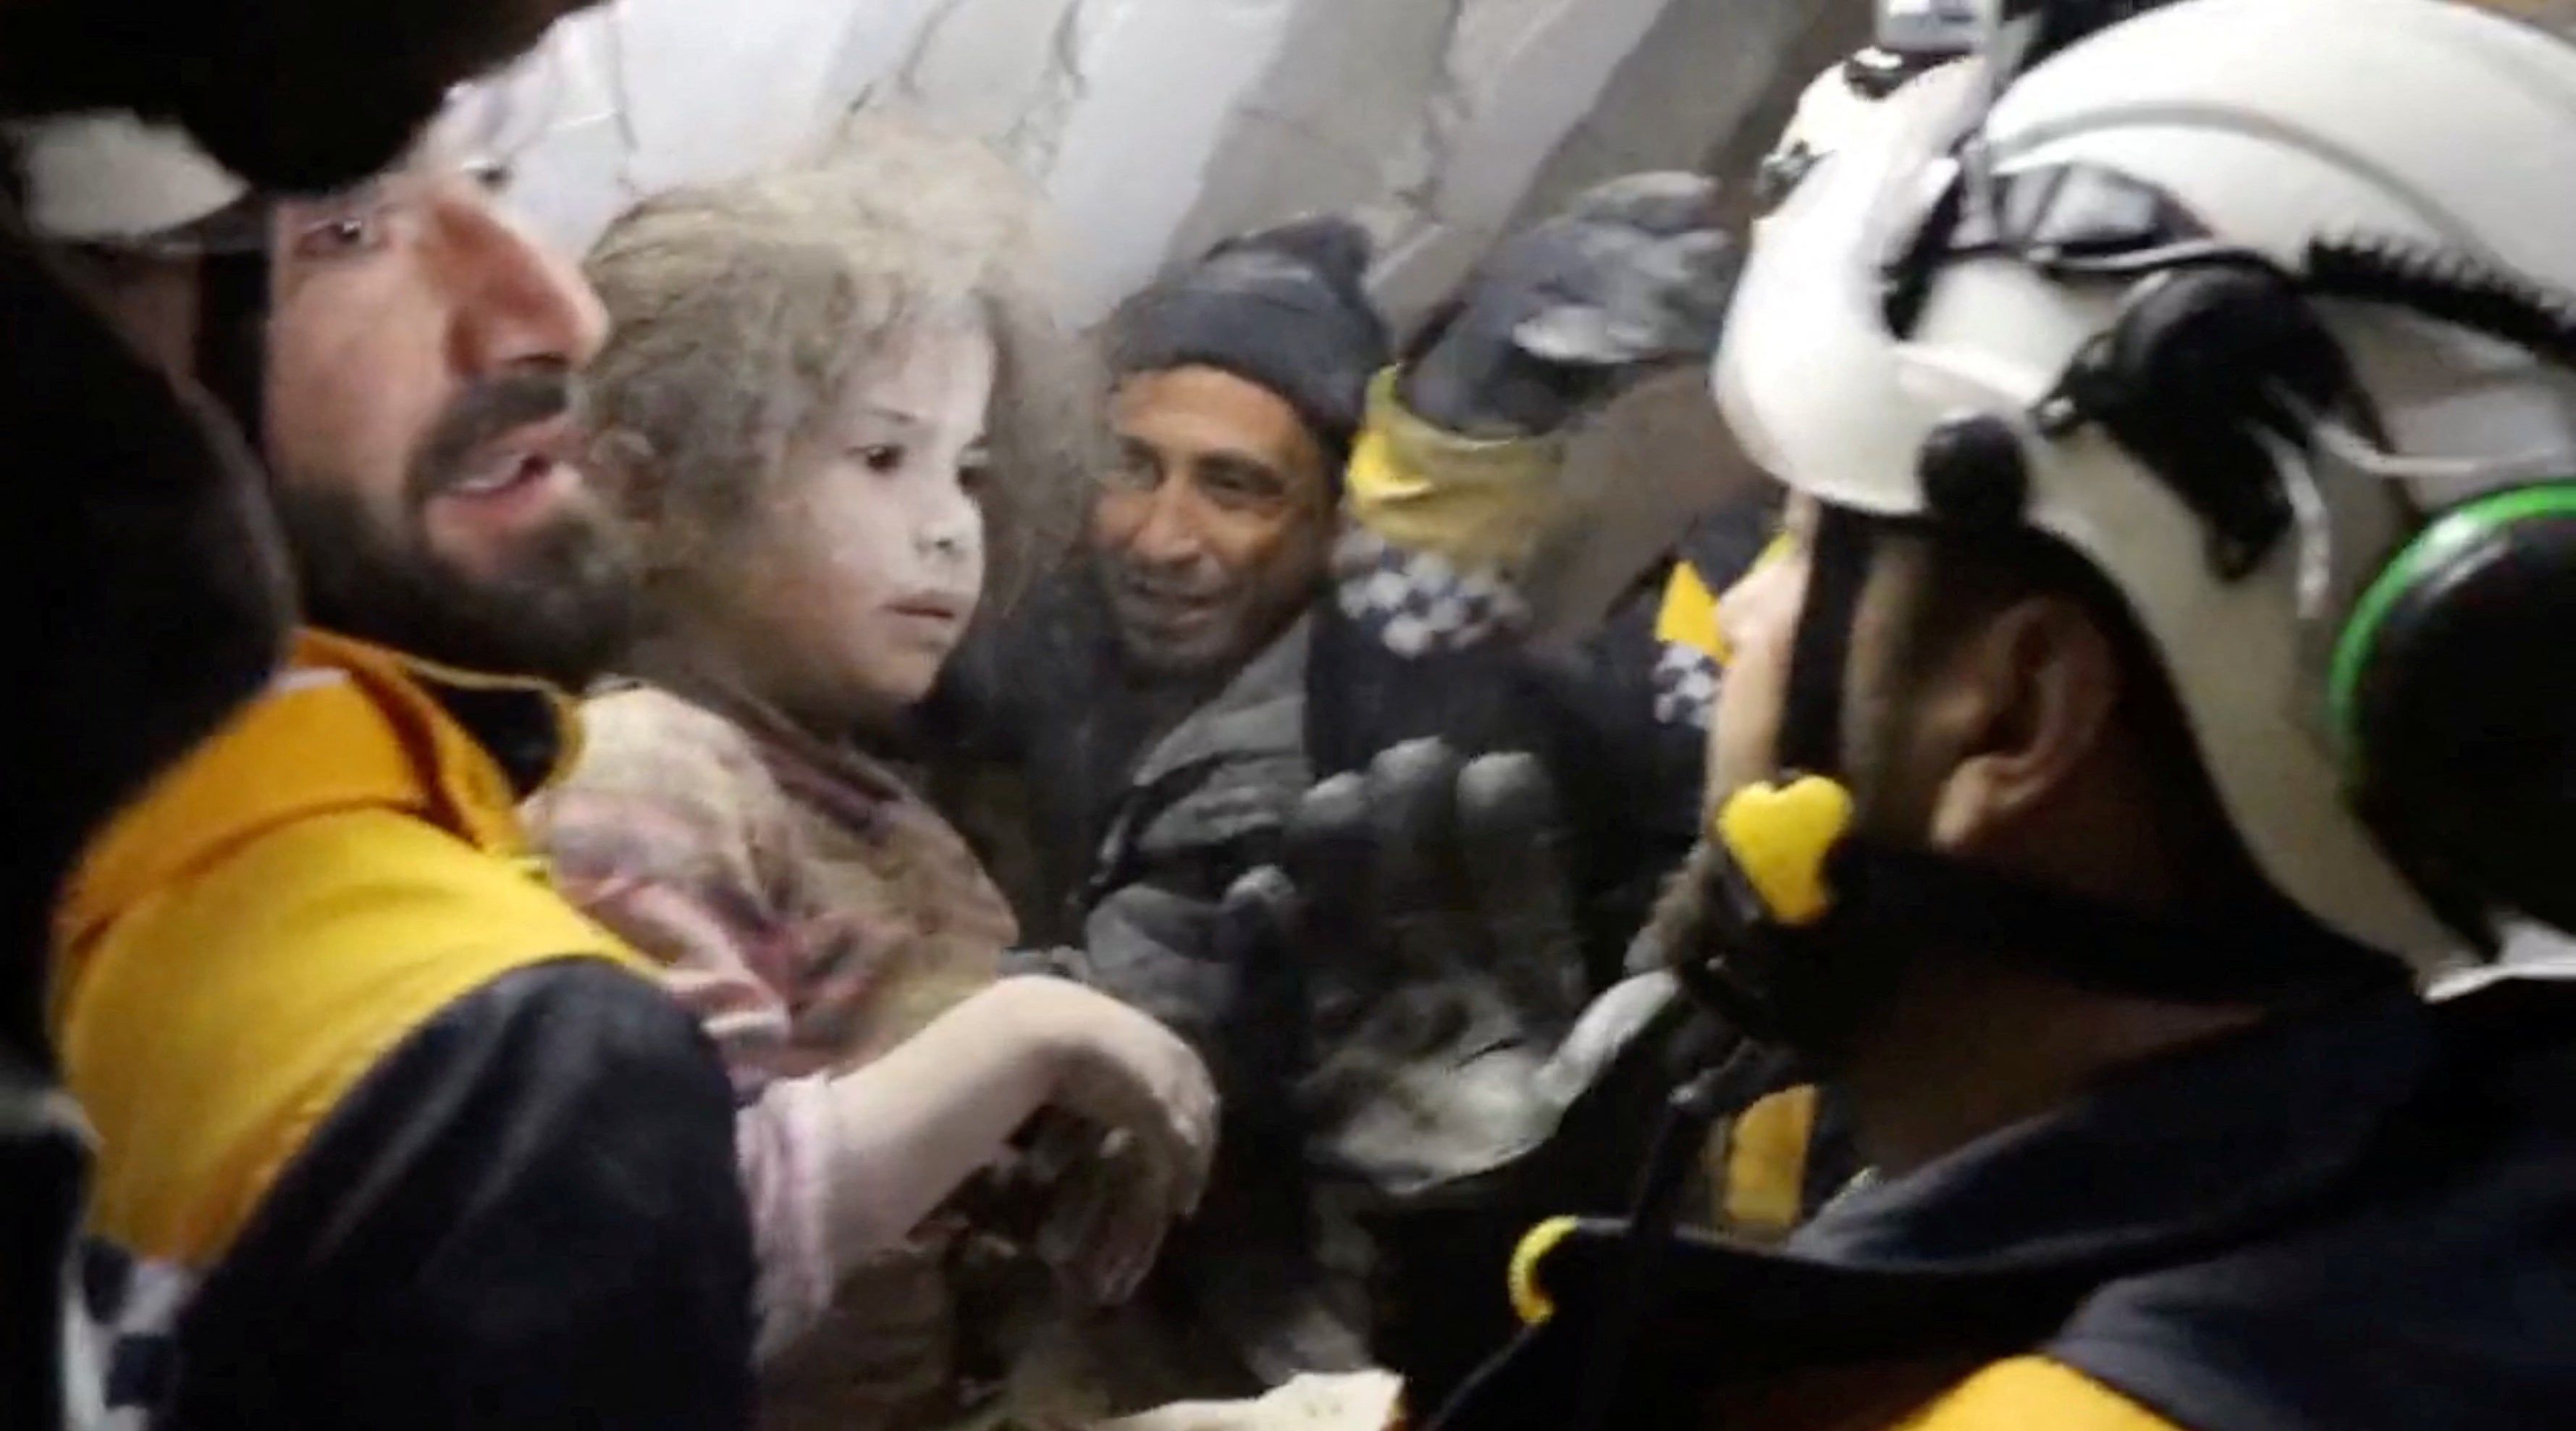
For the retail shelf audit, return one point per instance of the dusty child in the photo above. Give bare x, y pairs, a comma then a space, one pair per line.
830, 392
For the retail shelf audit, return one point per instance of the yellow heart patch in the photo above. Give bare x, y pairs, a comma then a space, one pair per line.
1780, 836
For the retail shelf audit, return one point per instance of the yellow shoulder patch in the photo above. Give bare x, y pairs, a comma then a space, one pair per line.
1688, 616
2029, 1392
279, 912
217, 1023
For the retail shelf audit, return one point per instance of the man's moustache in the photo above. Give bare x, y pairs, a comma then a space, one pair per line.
1151, 588
484, 414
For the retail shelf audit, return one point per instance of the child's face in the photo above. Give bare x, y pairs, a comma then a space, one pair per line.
870, 561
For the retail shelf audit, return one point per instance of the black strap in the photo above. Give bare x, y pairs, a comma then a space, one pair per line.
1649, 1242
1811, 715
1791, 984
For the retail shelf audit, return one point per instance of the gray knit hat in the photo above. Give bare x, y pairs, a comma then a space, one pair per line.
1286, 308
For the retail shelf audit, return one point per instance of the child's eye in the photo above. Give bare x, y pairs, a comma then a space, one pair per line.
882, 459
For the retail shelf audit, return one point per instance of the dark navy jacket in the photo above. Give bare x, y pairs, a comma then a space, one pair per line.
2363, 1220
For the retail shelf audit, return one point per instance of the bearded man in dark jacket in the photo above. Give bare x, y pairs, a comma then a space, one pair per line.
150, 598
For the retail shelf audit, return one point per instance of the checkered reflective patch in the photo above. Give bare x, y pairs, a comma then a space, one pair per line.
133, 1310
1685, 685
1420, 603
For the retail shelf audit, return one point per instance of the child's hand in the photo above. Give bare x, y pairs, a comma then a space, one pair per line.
1138, 1082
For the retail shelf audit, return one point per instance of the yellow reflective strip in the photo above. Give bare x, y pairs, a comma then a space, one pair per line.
1689, 615
2033, 1391
1529, 1299
1766, 1163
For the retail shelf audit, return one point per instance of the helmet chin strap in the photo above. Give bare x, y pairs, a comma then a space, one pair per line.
1804, 982
1810, 740
1808, 920
1774, 838
1811, 715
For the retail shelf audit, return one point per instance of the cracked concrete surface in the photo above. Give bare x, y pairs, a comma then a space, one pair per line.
1159, 126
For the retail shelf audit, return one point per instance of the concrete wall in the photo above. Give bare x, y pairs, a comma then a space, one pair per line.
1159, 126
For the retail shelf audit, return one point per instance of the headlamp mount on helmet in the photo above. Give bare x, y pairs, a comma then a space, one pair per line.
1909, 37
112, 184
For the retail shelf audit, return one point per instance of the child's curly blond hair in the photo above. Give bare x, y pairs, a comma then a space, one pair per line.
741, 311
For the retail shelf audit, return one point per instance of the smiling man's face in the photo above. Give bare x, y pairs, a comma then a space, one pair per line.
1214, 529
426, 427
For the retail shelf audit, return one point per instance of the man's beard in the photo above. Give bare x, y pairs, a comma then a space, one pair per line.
563, 608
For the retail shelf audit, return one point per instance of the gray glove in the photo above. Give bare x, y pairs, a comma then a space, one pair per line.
1633, 276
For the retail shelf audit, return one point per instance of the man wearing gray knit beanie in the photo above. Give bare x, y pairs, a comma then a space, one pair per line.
1241, 383
1133, 731
1299, 536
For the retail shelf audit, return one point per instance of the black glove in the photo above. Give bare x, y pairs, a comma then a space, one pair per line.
1451, 1083
1423, 919
1564, 316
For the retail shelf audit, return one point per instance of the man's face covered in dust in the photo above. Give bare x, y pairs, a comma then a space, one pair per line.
425, 427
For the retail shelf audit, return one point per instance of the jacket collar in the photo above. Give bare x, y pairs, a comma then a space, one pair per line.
2173, 1152
346, 725
1995, 1244
1260, 711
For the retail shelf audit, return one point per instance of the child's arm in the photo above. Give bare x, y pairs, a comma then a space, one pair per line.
839, 1168
903, 1132
670, 833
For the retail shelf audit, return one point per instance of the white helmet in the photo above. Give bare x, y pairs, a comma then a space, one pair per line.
109, 178
1970, 266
